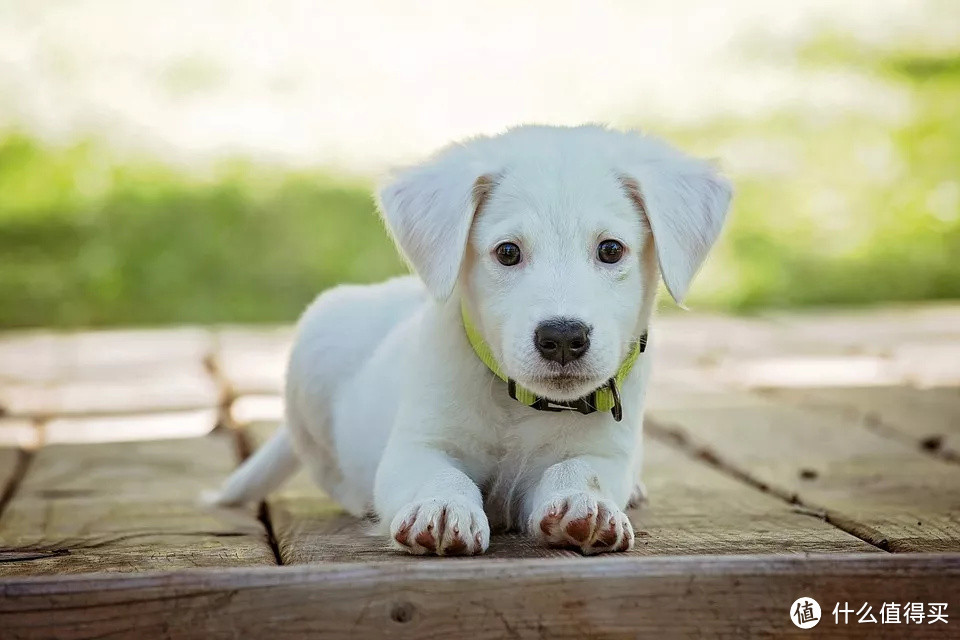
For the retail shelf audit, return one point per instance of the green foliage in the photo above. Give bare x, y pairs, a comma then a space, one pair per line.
842, 210
83, 242
848, 209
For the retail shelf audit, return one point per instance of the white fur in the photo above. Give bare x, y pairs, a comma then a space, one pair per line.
391, 410
268, 469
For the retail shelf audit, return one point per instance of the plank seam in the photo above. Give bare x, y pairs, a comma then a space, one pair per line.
39, 416
228, 395
858, 564
264, 517
244, 449
225, 391
931, 446
676, 437
13, 483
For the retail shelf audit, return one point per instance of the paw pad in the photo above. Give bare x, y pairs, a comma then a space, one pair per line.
444, 528
584, 522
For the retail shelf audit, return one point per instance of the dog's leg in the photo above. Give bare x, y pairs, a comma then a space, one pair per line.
574, 506
432, 506
264, 472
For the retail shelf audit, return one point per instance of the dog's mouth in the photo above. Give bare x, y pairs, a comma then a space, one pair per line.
564, 379
563, 386
557, 382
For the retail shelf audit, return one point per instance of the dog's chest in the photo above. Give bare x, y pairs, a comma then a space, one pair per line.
517, 457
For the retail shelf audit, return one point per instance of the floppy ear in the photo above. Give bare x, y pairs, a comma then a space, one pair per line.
429, 210
685, 202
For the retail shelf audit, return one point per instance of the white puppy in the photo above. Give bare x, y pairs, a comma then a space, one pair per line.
547, 243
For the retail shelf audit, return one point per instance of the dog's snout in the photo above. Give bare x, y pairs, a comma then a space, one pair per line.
562, 340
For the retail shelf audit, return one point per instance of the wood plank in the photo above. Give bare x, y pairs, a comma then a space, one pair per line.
126, 507
130, 427
45, 357
19, 433
879, 331
926, 418
894, 333
310, 527
31, 434
612, 597
253, 361
9, 463
105, 372
930, 364
913, 346
694, 509
256, 408
883, 491
187, 387
927, 366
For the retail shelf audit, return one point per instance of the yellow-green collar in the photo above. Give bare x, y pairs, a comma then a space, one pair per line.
606, 398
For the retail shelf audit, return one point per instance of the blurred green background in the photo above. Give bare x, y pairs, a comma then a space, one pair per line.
832, 207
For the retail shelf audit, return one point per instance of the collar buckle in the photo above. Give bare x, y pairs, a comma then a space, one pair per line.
585, 405
617, 410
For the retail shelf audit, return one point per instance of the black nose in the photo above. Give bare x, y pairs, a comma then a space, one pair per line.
562, 340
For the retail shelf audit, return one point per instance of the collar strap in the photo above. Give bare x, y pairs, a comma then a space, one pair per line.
606, 398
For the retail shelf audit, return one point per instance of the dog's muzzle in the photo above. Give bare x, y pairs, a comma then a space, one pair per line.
604, 398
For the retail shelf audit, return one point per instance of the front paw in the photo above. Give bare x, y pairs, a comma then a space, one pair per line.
583, 521
441, 527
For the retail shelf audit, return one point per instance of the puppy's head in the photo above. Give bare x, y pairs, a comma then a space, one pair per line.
555, 239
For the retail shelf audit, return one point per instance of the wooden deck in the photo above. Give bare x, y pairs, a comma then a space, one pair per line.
787, 456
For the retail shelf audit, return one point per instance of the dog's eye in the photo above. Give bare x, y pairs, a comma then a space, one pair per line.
610, 251
508, 253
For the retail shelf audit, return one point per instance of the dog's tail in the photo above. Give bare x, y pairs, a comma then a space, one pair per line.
260, 474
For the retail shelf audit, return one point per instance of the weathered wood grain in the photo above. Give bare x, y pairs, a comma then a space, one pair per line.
693, 509
310, 527
613, 597
882, 490
926, 418
696, 509
126, 507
